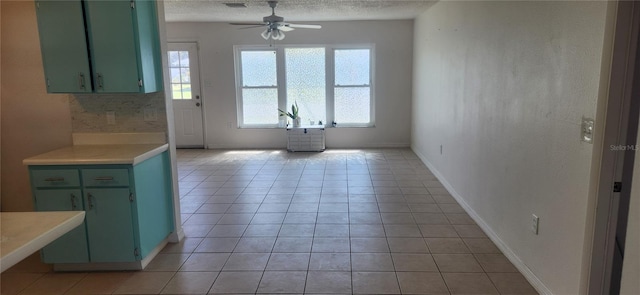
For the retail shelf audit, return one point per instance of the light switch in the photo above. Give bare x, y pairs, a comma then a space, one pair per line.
586, 133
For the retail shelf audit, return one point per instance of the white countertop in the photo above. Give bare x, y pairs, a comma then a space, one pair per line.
23, 233
98, 154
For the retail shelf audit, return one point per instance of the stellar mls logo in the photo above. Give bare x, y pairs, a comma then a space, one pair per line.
629, 147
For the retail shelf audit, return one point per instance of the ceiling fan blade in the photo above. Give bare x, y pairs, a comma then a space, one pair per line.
251, 27
301, 26
248, 24
285, 27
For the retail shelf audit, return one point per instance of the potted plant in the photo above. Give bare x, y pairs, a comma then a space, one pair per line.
293, 114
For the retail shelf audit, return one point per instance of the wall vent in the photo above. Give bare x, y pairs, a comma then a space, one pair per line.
236, 4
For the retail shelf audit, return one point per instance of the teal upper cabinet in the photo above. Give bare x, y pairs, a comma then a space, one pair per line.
119, 40
64, 46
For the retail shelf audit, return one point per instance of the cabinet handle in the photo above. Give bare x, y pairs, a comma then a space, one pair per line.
81, 80
90, 199
73, 202
54, 179
103, 178
100, 82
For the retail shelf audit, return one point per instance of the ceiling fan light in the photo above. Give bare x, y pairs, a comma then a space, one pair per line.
281, 36
275, 35
266, 34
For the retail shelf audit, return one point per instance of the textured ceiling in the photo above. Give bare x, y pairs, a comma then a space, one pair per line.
293, 10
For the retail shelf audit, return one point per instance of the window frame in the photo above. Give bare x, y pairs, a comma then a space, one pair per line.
282, 83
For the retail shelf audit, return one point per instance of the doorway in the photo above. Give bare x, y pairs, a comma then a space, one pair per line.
618, 155
185, 93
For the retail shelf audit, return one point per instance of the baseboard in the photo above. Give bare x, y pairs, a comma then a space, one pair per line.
521, 266
112, 266
328, 146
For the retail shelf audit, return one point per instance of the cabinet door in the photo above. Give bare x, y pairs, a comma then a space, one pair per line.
71, 247
109, 225
111, 28
64, 46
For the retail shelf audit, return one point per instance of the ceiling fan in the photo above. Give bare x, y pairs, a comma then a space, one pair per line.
275, 25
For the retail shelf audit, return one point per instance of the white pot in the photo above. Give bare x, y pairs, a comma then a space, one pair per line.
296, 122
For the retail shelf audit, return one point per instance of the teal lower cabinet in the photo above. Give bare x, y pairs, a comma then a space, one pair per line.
72, 247
129, 212
110, 225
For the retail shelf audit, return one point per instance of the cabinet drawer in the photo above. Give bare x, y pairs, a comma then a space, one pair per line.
105, 177
55, 178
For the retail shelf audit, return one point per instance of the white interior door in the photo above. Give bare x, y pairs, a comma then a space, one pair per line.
185, 92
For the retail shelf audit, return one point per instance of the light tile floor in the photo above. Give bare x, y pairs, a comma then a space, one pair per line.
341, 221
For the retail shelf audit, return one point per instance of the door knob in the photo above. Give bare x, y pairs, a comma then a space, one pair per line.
197, 104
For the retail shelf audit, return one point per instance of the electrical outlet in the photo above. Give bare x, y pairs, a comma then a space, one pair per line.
535, 221
230, 125
111, 118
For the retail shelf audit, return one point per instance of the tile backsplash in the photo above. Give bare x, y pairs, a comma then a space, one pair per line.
89, 112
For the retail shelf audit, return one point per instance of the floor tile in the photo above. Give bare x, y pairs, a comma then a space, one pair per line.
457, 263
255, 245
190, 283
438, 231
375, 283
481, 245
286, 245
246, 261
430, 218
297, 230
330, 261
187, 245
328, 282
217, 245
495, 263
331, 230
402, 231
367, 230
98, 283
262, 230
371, 262
364, 218
369, 245
446, 245
459, 218
331, 245
229, 282
413, 262
407, 245
332, 218
235, 218
470, 231
268, 218
14, 282
511, 283
167, 262
227, 231
469, 283
144, 283
422, 283
282, 282
205, 262
288, 261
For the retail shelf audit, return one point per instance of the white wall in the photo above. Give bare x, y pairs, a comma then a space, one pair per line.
502, 86
393, 49
33, 122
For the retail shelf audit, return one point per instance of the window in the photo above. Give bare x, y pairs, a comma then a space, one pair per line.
352, 86
328, 84
180, 75
305, 70
259, 87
